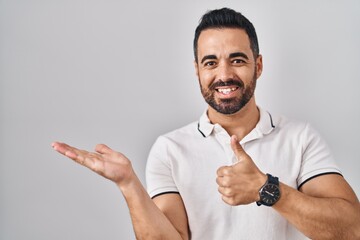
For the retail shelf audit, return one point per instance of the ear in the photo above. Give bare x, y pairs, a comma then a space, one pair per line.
196, 68
259, 66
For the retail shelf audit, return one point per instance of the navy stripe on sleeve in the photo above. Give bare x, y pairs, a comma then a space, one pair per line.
318, 176
170, 192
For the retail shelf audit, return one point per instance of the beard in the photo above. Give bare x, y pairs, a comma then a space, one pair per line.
231, 105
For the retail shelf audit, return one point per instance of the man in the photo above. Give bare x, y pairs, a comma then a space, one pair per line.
239, 172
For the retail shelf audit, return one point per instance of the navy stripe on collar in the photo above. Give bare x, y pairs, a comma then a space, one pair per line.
198, 127
271, 121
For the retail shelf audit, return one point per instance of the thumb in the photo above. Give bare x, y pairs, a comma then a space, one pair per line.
237, 148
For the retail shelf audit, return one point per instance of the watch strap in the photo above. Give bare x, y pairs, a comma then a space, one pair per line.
273, 180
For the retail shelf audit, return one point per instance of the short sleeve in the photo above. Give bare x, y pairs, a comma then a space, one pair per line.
159, 177
316, 158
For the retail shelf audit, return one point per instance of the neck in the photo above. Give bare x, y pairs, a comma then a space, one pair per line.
239, 123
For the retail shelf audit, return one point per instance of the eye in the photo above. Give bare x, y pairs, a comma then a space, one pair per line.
209, 63
238, 61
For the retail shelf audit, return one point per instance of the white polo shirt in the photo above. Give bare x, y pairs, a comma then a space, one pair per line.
185, 161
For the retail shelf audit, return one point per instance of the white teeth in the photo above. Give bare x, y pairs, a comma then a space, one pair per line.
226, 90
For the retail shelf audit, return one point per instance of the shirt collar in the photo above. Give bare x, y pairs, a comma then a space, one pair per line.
263, 127
205, 127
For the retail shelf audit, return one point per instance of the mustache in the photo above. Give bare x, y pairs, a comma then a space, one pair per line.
230, 82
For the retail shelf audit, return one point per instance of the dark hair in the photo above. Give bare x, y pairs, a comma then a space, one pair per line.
226, 18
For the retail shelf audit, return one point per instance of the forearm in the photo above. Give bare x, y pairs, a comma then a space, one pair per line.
320, 218
147, 219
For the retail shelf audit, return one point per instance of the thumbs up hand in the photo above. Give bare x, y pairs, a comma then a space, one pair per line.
240, 183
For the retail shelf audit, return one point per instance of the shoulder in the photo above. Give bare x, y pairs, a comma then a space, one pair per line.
182, 134
293, 127
296, 133
176, 139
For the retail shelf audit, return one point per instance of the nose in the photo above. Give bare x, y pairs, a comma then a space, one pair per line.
225, 72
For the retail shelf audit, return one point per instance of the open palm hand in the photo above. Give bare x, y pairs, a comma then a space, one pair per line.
106, 162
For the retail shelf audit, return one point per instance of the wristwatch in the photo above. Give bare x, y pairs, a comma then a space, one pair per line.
269, 192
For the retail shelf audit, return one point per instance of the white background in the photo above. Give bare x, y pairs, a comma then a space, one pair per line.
121, 73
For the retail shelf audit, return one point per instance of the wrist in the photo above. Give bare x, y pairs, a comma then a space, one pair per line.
269, 193
129, 185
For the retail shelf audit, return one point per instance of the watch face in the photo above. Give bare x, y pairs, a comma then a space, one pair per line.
269, 194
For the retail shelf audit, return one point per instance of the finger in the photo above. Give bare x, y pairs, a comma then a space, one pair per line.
237, 148
64, 149
103, 149
229, 200
223, 171
223, 181
80, 156
226, 192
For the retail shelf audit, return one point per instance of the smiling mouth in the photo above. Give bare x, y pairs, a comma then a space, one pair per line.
226, 90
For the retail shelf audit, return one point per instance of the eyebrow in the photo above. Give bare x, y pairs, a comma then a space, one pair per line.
238, 54
208, 57
231, 55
